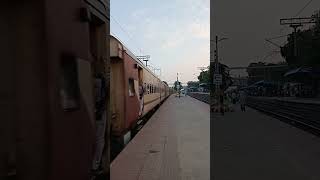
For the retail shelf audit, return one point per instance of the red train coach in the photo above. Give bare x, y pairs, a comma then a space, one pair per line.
135, 91
53, 51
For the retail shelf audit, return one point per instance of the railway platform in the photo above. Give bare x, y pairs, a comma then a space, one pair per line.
174, 144
252, 145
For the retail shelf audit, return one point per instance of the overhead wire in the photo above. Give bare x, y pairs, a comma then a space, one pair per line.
297, 14
130, 38
304, 7
128, 34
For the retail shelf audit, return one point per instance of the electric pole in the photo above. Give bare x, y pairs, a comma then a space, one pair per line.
217, 64
144, 58
295, 23
217, 76
178, 85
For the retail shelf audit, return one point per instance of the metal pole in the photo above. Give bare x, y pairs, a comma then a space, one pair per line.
178, 85
295, 42
217, 65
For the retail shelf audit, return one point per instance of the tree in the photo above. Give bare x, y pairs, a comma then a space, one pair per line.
204, 77
193, 84
226, 79
176, 84
308, 43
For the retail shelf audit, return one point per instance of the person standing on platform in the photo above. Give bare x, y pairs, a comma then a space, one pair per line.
100, 123
243, 97
233, 96
141, 93
221, 103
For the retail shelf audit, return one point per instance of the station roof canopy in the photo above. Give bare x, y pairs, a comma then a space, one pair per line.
303, 70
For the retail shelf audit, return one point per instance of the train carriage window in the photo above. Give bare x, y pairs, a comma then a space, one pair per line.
148, 88
145, 88
131, 87
69, 85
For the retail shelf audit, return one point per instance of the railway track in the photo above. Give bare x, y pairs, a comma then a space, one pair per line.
303, 115
204, 97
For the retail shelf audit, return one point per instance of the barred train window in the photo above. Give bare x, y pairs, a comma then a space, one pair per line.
69, 85
131, 87
145, 88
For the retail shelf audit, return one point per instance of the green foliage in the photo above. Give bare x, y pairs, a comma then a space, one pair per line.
204, 77
193, 84
176, 83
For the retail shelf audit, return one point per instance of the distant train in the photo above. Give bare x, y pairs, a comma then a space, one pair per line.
135, 91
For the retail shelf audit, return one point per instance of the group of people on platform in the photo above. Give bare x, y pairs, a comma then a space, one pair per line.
228, 101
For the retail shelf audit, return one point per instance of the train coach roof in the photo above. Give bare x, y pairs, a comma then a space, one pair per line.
134, 57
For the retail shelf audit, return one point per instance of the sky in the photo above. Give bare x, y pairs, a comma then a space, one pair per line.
247, 23
175, 33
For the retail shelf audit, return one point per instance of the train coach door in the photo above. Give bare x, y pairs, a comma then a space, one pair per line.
141, 90
140, 74
101, 64
160, 91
